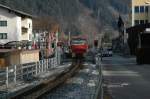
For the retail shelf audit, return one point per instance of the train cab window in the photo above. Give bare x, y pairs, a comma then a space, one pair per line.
78, 41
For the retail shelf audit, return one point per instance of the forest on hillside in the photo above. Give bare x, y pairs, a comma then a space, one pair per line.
75, 15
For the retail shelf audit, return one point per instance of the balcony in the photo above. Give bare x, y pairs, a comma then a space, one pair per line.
24, 30
25, 23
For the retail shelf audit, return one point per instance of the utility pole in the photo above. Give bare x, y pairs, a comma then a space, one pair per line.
97, 35
69, 39
98, 15
56, 49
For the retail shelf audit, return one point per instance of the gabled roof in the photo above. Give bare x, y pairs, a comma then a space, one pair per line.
17, 12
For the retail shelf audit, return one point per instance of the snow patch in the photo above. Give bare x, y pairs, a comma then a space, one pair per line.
91, 83
95, 72
75, 81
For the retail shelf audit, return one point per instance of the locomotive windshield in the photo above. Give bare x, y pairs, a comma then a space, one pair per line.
78, 41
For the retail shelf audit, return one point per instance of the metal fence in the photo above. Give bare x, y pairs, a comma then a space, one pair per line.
99, 91
12, 75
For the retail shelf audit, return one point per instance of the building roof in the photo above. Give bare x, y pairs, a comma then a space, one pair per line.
138, 28
17, 12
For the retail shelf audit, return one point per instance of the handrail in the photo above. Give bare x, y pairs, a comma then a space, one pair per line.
99, 91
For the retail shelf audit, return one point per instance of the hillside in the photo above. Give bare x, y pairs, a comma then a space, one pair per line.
75, 15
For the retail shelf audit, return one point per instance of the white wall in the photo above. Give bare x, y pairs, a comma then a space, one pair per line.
30, 29
13, 29
25, 23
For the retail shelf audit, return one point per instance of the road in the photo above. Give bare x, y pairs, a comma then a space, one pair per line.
125, 79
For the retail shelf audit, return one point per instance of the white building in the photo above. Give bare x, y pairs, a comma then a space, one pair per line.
14, 25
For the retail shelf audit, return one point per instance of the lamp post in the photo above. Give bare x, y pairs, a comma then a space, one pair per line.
133, 10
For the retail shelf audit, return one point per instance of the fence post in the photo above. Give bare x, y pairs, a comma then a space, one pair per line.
55, 61
46, 64
22, 75
7, 77
42, 65
50, 63
27, 73
36, 71
39, 67
15, 74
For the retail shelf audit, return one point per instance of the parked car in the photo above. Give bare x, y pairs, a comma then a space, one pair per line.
107, 52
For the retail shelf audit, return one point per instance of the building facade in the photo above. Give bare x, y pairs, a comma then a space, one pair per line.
14, 25
140, 12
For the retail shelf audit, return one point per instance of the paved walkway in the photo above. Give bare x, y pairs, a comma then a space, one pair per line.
126, 80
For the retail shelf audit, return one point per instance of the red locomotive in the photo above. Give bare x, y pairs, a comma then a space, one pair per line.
79, 47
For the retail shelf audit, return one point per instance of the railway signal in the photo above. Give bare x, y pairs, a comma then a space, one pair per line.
95, 43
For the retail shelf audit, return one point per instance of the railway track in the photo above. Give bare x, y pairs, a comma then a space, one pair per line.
48, 85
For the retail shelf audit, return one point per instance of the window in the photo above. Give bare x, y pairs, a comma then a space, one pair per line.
3, 23
136, 22
3, 35
142, 9
146, 21
141, 21
137, 9
146, 9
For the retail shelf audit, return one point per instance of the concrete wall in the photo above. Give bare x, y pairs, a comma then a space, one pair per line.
29, 56
14, 58
18, 57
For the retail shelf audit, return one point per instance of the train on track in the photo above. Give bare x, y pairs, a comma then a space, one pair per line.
79, 47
